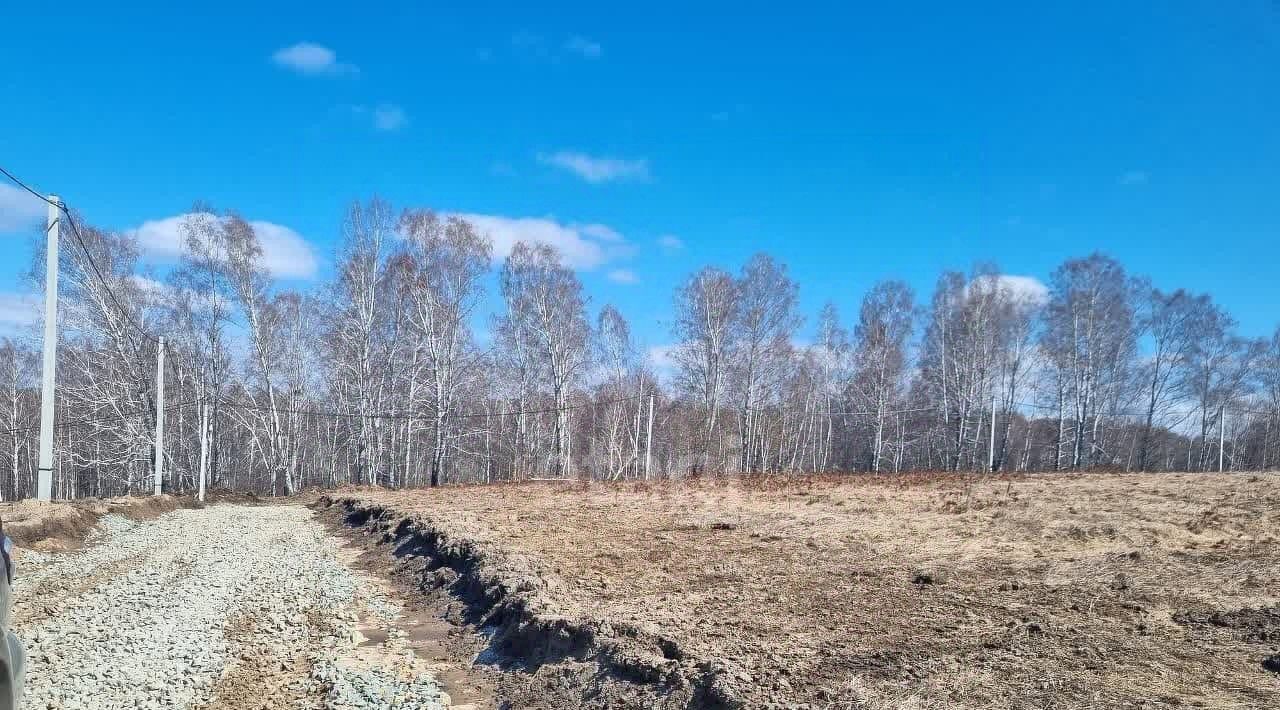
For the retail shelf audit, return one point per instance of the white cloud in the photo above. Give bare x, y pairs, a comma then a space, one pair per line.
284, 252
662, 357
389, 117
583, 46
624, 276
20, 309
312, 59
670, 243
1026, 289
160, 292
20, 209
1134, 177
581, 246
150, 286
603, 232
597, 169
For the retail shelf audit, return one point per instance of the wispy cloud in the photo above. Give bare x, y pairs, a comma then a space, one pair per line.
19, 309
311, 59
596, 169
583, 46
662, 358
1134, 177
163, 293
603, 232
533, 46
582, 246
389, 117
1026, 289
384, 118
624, 276
19, 209
285, 253
670, 243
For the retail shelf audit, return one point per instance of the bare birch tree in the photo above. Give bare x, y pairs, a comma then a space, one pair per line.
1090, 333
880, 355
766, 324
449, 260
706, 313
544, 300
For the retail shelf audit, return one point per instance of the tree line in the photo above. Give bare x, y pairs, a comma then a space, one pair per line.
378, 377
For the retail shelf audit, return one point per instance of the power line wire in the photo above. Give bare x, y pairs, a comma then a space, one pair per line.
124, 313
100, 420
418, 415
25, 186
871, 413
75, 231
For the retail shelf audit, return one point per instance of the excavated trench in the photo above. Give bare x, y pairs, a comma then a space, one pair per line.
543, 656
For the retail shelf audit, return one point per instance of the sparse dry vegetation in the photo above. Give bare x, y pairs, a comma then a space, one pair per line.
865, 592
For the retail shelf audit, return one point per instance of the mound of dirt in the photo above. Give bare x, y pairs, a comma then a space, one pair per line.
63, 525
1261, 625
513, 603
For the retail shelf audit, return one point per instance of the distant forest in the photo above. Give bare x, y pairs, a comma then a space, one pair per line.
377, 377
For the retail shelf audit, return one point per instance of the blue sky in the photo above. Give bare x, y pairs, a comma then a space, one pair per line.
854, 144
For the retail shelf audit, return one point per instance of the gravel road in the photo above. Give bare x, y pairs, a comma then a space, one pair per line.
220, 608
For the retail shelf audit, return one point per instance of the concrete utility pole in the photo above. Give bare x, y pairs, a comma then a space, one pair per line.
991, 448
648, 440
159, 413
204, 449
44, 480
1222, 437
568, 451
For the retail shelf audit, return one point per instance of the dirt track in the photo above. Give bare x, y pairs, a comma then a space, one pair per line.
1047, 591
229, 607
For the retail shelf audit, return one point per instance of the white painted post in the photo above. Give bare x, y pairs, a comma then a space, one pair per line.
568, 452
991, 448
1222, 437
44, 480
648, 440
159, 465
204, 450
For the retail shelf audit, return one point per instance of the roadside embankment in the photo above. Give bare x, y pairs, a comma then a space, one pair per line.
63, 525
557, 658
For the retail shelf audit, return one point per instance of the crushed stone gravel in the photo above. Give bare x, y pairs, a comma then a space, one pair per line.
211, 609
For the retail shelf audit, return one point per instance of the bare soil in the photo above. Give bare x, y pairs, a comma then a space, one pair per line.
63, 525
1037, 591
446, 648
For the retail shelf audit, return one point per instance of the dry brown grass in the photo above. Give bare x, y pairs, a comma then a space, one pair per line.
1047, 590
